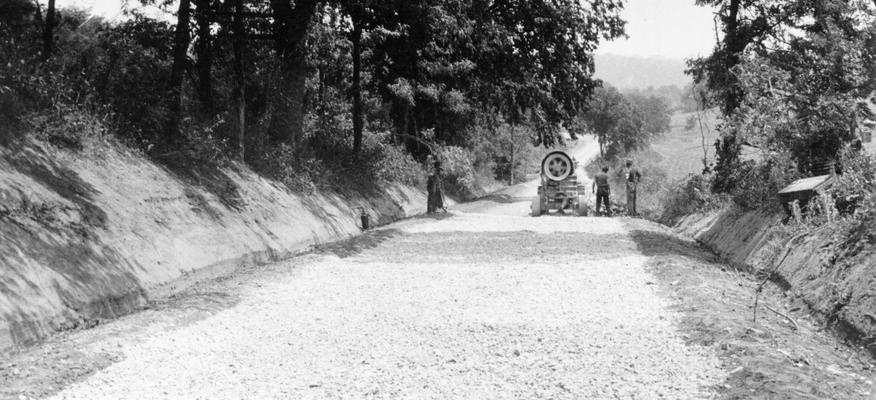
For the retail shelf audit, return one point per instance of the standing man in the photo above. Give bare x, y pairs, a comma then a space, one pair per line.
435, 189
602, 189
633, 178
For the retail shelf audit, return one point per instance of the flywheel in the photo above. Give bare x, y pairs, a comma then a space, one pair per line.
557, 165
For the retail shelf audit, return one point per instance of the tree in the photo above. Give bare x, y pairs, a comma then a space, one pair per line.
204, 51
356, 38
290, 31
180, 48
537, 58
624, 123
361, 14
604, 112
438, 63
49, 29
239, 33
654, 111
815, 46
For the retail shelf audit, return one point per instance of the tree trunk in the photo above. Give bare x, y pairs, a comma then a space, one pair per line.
39, 12
290, 30
48, 30
358, 122
205, 55
511, 168
734, 45
180, 47
239, 79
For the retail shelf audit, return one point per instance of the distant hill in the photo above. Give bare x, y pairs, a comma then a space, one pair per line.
626, 72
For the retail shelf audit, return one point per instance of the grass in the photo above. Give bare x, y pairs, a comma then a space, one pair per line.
681, 150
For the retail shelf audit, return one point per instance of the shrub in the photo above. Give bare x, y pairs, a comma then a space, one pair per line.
856, 183
390, 162
687, 196
331, 164
757, 183
66, 126
854, 193
459, 175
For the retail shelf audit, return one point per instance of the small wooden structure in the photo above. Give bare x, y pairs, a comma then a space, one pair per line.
802, 190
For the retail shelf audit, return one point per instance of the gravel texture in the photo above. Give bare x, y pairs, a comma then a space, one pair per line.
471, 305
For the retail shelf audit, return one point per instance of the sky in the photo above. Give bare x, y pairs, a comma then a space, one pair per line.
109, 9
664, 28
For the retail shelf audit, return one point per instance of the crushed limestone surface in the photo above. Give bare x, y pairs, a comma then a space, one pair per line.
468, 306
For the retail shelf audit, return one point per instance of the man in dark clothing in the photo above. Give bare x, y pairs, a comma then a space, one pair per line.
602, 189
633, 178
435, 189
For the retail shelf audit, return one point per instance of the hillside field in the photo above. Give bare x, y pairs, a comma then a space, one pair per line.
681, 149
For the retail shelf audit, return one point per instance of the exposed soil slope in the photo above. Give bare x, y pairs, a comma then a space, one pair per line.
91, 235
838, 285
483, 303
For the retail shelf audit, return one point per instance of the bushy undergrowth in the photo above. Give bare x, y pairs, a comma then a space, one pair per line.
688, 195
856, 184
334, 166
756, 183
854, 196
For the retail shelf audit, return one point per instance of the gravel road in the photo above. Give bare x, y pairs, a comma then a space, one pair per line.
472, 305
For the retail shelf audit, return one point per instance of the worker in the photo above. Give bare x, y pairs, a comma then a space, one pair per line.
435, 189
602, 190
633, 177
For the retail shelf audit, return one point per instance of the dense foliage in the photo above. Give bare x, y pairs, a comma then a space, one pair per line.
624, 123
304, 89
791, 77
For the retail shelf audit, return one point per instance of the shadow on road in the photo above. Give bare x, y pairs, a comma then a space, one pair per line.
435, 216
652, 243
358, 244
503, 198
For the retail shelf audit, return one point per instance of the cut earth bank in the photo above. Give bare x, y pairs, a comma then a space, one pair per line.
86, 237
835, 279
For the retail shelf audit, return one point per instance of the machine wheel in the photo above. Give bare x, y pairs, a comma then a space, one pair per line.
557, 166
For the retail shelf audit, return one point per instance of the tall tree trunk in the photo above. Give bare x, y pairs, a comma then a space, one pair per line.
240, 79
180, 48
204, 51
734, 45
511, 158
49, 30
726, 150
358, 121
39, 12
290, 30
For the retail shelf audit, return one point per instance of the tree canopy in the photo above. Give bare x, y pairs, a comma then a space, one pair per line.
790, 76
305, 77
623, 123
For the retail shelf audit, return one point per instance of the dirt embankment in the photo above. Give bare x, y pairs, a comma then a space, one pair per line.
88, 236
835, 279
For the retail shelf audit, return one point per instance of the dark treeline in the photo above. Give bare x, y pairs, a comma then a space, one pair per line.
291, 86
